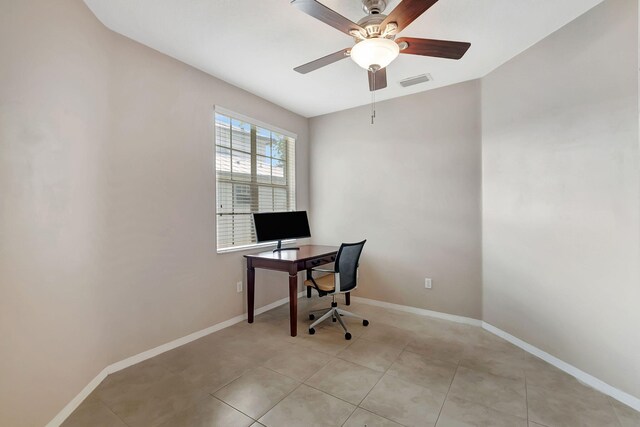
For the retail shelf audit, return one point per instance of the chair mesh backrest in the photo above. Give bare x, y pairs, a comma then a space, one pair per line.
347, 264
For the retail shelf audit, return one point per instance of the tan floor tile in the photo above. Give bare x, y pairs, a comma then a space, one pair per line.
438, 348
459, 332
95, 414
404, 402
494, 367
345, 380
216, 371
488, 339
217, 340
503, 354
257, 391
367, 310
563, 399
500, 393
458, 412
491, 341
140, 375
146, 394
396, 318
627, 416
255, 346
362, 418
451, 331
307, 406
187, 355
274, 331
327, 341
208, 412
550, 411
371, 354
266, 331
542, 374
430, 326
432, 374
297, 362
303, 330
261, 330
555, 408
386, 334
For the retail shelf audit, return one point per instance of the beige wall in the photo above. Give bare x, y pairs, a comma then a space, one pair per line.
561, 254
107, 226
410, 184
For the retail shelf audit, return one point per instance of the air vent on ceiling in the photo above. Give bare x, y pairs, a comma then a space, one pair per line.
422, 78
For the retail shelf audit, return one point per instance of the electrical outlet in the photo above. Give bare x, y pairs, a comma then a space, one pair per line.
239, 287
427, 283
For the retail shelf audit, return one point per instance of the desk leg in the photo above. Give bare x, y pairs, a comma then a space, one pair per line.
293, 303
347, 298
251, 286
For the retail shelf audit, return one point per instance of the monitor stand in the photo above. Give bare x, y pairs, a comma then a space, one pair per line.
279, 248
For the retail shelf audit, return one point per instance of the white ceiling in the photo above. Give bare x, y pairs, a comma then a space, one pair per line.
255, 44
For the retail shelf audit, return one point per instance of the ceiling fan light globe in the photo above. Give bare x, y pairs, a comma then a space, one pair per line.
375, 51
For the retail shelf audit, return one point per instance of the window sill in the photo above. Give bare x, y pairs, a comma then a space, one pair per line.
253, 246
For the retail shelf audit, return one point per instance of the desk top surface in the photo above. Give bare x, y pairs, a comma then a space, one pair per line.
306, 252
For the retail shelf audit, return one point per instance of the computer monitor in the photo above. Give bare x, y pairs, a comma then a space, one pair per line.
279, 226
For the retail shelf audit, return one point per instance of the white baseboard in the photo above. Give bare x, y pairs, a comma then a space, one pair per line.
140, 357
580, 375
420, 311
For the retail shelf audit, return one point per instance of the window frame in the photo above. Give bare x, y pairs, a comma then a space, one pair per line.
290, 165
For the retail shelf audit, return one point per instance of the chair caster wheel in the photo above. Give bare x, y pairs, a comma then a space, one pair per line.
347, 336
312, 317
365, 322
312, 331
333, 319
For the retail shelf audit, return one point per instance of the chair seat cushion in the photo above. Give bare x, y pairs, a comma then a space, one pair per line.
325, 283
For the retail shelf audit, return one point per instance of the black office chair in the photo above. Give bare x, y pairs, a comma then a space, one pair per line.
342, 279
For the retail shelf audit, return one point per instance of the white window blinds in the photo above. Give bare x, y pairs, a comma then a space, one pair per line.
255, 172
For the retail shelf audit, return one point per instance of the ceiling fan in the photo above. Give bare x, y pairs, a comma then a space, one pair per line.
376, 45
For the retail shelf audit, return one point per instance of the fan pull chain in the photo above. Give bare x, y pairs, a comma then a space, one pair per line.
373, 98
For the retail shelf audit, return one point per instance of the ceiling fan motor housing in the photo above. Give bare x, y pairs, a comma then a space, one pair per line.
371, 24
374, 7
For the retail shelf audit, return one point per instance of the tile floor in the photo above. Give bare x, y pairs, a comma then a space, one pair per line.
401, 370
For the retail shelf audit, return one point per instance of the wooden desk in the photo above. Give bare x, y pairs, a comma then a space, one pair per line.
309, 256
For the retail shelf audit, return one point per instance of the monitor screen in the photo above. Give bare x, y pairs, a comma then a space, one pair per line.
272, 226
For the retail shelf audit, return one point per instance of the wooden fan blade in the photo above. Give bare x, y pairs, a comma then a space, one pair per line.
321, 62
326, 15
437, 48
407, 12
380, 79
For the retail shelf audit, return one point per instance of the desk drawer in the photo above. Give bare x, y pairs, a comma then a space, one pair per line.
319, 261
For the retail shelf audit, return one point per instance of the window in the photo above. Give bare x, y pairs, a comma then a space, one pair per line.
255, 172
